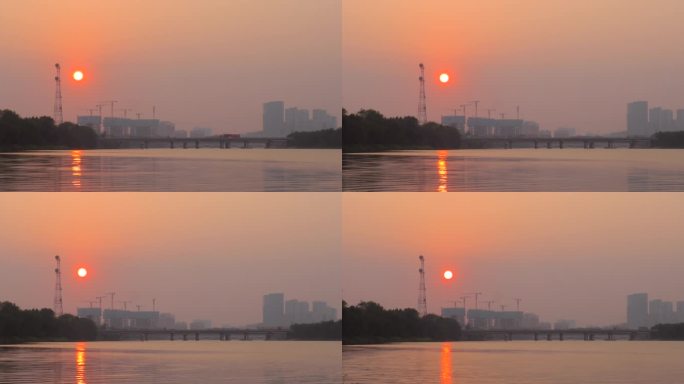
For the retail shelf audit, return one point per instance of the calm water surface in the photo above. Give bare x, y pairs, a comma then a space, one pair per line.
539, 170
170, 362
517, 362
163, 170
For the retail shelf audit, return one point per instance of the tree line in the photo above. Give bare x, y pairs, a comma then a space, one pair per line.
668, 331
19, 325
369, 130
369, 323
325, 138
325, 330
669, 139
17, 133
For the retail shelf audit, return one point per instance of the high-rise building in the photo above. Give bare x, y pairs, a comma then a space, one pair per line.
679, 123
637, 310
273, 310
655, 312
680, 311
655, 119
273, 118
637, 118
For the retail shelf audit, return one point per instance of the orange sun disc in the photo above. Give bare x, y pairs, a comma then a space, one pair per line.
444, 78
78, 75
82, 272
448, 275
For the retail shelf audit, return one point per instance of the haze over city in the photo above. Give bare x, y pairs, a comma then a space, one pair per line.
566, 255
208, 63
210, 256
566, 64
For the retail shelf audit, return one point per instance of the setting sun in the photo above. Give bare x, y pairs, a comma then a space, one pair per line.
448, 275
82, 272
78, 75
444, 78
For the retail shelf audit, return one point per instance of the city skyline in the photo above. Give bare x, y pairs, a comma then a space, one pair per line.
494, 52
199, 63
200, 258
537, 247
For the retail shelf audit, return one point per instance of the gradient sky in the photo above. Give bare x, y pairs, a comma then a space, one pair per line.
202, 256
565, 63
202, 63
567, 255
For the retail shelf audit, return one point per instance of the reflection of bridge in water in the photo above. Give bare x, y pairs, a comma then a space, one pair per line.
187, 142
587, 334
587, 142
196, 334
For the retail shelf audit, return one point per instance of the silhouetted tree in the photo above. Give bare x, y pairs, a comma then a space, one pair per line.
41, 324
41, 132
326, 138
370, 130
326, 330
369, 322
669, 139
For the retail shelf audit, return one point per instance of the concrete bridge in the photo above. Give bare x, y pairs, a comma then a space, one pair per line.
587, 334
587, 142
171, 142
185, 334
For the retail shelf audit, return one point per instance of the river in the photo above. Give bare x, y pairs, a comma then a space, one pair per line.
171, 170
170, 362
517, 362
501, 170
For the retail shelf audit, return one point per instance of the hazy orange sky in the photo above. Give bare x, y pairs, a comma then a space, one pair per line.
567, 255
202, 63
565, 63
202, 256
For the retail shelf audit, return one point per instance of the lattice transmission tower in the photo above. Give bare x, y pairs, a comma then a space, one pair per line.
59, 311
57, 113
422, 297
422, 107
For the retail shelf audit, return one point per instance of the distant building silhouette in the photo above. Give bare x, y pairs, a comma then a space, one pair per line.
273, 118
273, 310
637, 310
637, 118
280, 122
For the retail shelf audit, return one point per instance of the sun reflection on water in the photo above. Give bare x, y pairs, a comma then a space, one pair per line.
442, 171
445, 364
80, 363
76, 168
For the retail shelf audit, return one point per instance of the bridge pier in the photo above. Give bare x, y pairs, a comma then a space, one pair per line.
244, 336
560, 337
549, 145
536, 144
244, 144
171, 337
560, 144
269, 336
548, 336
536, 336
196, 144
268, 144
185, 144
171, 144
196, 336
185, 337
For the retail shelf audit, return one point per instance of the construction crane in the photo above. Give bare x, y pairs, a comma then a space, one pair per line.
58, 304
503, 115
111, 103
124, 302
503, 307
489, 112
139, 306
517, 112
138, 114
475, 102
476, 294
125, 111
154, 304
422, 295
111, 295
57, 112
489, 304
422, 103
91, 110
517, 303
90, 302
